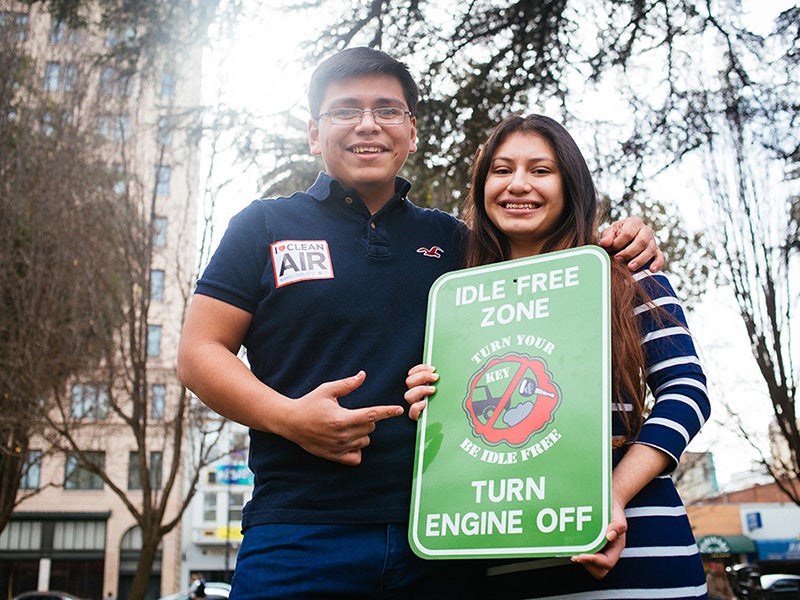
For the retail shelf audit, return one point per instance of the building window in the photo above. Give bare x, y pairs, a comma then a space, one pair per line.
154, 469
160, 232
22, 536
116, 37
158, 400
157, 285
89, 401
112, 82
15, 24
107, 79
117, 127
165, 128
60, 33
235, 504
31, 471
70, 77
210, 507
162, 180
60, 77
122, 128
78, 477
104, 127
55, 121
154, 340
79, 535
57, 32
168, 84
52, 75
239, 441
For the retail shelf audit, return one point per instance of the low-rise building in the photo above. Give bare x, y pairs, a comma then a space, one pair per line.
758, 524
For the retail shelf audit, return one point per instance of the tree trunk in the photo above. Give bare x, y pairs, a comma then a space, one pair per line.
144, 567
11, 460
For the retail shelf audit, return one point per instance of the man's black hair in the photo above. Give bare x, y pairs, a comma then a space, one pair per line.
358, 62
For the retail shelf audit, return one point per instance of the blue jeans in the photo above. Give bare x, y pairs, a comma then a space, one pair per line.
300, 561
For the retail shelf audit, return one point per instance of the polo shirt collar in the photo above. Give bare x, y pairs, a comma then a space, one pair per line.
326, 187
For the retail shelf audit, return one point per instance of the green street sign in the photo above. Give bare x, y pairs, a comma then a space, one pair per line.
513, 454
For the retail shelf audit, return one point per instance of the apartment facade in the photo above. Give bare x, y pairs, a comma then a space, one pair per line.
76, 533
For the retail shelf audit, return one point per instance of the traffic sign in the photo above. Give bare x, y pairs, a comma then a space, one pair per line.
513, 455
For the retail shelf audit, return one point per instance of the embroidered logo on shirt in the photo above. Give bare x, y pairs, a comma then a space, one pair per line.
300, 260
434, 251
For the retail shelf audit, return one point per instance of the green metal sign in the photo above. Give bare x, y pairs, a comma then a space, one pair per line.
513, 455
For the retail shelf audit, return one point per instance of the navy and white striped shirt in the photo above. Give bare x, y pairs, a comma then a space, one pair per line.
661, 558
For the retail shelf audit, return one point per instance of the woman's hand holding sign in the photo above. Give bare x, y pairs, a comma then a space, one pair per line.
600, 563
419, 381
640, 465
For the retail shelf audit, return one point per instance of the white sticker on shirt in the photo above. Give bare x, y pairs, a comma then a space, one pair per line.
300, 260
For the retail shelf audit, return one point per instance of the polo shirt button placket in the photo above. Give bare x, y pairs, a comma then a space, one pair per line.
376, 240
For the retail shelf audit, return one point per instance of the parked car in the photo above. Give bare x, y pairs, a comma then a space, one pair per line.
744, 579
50, 595
780, 586
215, 590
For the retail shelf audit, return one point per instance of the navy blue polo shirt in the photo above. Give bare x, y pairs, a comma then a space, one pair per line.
333, 290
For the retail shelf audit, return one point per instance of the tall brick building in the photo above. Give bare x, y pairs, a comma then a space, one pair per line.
75, 533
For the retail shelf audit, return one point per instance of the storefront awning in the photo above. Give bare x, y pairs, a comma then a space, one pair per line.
779, 549
726, 544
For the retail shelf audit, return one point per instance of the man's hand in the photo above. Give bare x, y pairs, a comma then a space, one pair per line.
633, 242
325, 429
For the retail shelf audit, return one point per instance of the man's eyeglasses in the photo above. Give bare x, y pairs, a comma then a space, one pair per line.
386, 115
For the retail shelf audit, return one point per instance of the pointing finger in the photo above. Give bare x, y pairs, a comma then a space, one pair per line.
373, 414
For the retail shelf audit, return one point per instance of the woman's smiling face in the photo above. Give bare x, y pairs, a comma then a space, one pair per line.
523, 194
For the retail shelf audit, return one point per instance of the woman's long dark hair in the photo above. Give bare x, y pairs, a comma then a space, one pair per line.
577, 227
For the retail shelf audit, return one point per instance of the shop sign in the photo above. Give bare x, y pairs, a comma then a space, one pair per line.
713, 544
753, 521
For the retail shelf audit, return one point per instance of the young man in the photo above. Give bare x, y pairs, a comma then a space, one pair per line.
327, 290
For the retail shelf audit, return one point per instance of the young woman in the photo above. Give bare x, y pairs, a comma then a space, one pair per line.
531, 193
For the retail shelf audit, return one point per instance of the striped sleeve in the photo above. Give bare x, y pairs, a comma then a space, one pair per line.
673, 370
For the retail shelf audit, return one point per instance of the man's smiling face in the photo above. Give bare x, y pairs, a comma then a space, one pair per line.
366, 156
